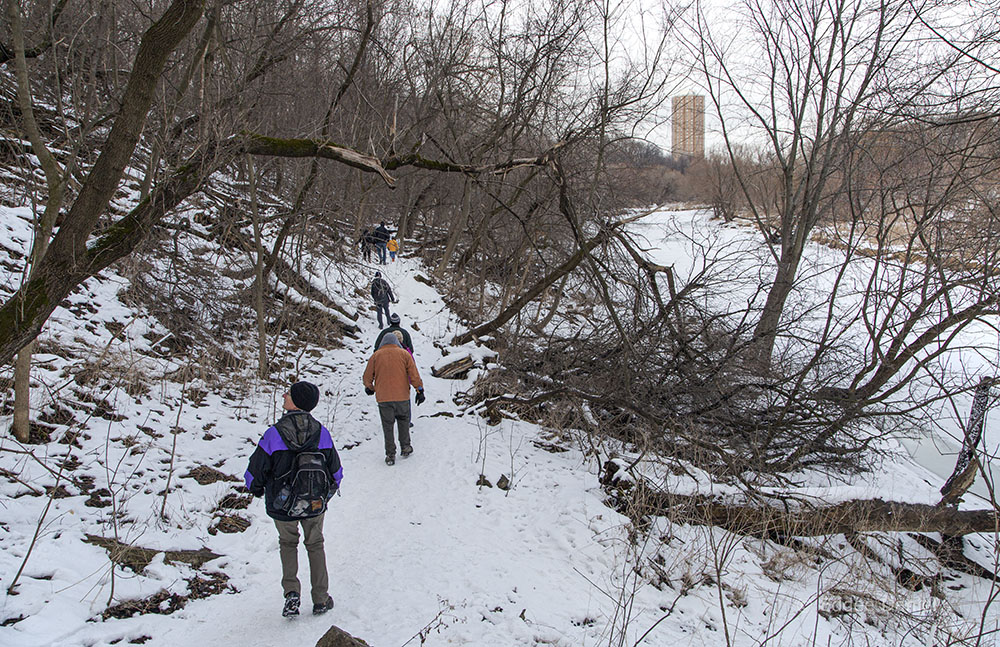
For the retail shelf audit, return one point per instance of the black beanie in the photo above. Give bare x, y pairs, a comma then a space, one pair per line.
304, 395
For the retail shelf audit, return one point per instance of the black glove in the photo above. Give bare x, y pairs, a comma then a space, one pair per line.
369, 391
420, 397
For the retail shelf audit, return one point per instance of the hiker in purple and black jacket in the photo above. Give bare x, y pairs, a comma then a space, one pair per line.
271, 466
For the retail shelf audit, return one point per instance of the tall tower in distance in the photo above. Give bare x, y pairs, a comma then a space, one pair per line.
687, 124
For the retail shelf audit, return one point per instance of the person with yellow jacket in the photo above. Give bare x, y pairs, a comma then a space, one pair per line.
393, 247
388, 376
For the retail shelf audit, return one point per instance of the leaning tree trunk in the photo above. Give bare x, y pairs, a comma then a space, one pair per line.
966, 466
511, 311
22, 316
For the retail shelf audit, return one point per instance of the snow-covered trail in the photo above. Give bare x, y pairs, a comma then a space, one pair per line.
414, 547
408, 542
405, 543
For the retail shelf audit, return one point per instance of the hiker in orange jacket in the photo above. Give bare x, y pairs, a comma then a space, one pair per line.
388, 376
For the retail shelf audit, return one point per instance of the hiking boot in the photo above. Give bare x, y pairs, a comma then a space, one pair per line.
407, 451
291, 605
390, 460
320, 609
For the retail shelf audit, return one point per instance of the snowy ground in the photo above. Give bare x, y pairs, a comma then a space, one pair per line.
419, 553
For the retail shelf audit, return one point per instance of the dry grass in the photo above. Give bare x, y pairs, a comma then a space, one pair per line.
165, 603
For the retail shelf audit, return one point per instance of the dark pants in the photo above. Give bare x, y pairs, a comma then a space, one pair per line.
379, 307
392, 255
366, 253
398, 413
381, 252
288, 548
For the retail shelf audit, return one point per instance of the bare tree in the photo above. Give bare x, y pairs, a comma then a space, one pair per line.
55, 179
806, 76
164, 35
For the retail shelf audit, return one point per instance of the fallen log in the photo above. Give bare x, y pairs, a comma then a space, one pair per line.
454, 370
860, 515
951, 553
138, 558
287, 274
763, 520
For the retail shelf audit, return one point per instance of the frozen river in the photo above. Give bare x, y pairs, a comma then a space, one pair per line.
689, 240
939, 454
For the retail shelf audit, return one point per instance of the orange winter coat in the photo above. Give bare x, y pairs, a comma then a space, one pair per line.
390, 371
392, 245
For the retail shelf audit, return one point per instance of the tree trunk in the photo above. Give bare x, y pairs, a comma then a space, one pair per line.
55, 180
455, 232
22, 394
68, 257
413, 201
196, 65
966, 466
258, 292
767, 327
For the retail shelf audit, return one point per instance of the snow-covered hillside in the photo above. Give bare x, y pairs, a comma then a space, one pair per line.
421, 553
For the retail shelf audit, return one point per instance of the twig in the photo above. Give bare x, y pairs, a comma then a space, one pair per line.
173, 447
436, 619
13, 476
38, 529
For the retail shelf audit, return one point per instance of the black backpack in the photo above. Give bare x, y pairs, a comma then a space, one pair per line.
307, 487
380, 290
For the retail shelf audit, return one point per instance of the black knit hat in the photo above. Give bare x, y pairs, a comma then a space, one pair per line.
304, 395
394, 318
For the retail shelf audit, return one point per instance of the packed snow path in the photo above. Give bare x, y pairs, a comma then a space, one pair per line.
414, 547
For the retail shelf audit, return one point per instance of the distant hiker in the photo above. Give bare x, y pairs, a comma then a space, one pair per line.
395, 329
382, 295
393, 247
381, 235
296, 468
389, 374
367, 241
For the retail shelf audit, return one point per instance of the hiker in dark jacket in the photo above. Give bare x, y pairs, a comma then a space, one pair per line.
381, 236
367, 241
272, 465
382, 295
395, 329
